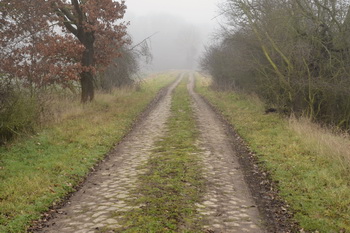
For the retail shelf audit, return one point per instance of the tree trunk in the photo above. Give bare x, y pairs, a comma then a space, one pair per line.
87, 77
87, 86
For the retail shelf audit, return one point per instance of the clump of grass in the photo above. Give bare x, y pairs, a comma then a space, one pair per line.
19, 112
37, 171
303, 161
60, 107
323, 141
174, 182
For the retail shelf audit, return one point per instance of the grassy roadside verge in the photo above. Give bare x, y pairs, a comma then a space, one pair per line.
316, 186
173, 182
37, 172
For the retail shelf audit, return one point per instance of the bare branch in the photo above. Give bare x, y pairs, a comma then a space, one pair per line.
138, 44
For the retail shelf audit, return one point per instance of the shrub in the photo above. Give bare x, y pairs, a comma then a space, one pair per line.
19, 112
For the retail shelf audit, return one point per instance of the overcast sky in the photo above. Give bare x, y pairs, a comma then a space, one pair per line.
184, 27
194, 11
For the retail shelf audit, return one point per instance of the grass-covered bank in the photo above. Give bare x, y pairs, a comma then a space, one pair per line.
173, 182
315, 183
38, 171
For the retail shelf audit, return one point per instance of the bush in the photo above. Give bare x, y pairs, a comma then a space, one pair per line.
19, 112
293, 54
120, 72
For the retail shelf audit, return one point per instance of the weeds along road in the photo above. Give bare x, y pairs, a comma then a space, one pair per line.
213, 199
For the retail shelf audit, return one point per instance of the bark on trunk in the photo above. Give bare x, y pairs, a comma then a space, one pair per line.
87, 87
86, 77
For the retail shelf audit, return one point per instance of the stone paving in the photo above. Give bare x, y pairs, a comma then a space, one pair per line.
228, 205
92, 208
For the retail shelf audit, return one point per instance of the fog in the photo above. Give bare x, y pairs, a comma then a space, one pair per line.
182, 29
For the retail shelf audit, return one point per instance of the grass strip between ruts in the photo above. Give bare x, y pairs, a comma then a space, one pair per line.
173, 182
37, 172
316, 187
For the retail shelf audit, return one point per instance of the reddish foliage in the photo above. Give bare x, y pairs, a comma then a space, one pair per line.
48, 41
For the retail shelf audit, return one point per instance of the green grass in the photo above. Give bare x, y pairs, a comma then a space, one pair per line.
317, 187
37, 171
173, 182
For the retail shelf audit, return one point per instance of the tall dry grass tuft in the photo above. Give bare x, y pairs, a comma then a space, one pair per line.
323, 141
57, 107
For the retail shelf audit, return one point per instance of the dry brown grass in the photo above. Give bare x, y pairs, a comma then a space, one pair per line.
323, 141
319, 140
58, 108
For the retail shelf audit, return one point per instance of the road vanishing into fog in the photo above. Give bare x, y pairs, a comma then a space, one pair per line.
227, 205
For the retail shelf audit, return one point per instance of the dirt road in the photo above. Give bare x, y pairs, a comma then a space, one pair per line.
227, 206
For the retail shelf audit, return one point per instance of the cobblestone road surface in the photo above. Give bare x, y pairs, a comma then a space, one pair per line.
91, 208
228, 205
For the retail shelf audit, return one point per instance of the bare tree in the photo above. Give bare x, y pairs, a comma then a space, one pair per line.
297, 51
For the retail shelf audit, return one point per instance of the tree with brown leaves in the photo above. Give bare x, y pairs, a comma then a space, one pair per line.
56, 41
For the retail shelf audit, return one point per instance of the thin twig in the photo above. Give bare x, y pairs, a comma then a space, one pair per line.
138, 44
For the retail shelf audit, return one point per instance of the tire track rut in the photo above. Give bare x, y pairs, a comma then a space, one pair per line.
228, 204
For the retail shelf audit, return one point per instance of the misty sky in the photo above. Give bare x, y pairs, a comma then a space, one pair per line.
184, 27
